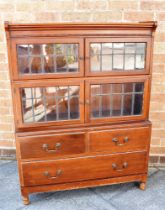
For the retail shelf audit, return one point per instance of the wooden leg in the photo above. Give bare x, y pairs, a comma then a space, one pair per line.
25, 200
142, 185
25, 196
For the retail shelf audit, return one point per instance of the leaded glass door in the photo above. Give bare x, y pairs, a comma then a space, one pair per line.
116, 99
48, 58
117, 56
50, 103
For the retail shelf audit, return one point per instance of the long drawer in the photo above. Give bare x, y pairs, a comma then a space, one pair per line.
84, 168
120, 140
49, 146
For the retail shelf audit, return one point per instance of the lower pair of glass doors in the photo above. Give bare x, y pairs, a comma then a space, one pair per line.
117, 99
78, 101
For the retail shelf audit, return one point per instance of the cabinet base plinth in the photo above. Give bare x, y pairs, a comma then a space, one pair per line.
82, 184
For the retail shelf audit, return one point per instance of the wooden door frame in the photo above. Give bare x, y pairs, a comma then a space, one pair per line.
46, 83
146, 95
43, 40
146, 70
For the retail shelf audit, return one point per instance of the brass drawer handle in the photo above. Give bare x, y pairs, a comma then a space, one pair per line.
46, 147
116, 141
58, 173
117, 168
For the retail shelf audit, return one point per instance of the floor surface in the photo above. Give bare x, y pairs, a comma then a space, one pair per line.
114, 197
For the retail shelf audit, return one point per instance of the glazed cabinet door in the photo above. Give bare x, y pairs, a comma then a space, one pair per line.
47, 58
117, 56
53, 102
117, 99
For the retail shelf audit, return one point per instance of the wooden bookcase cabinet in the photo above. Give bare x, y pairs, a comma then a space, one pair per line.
81, 97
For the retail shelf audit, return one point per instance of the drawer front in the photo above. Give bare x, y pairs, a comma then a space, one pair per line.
47, 146
120, 140
79, 169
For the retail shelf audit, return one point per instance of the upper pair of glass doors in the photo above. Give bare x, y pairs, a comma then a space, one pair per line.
76, 57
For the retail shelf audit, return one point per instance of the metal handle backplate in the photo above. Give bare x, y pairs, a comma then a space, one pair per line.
117, 142
119, 168
46, 147
58, 173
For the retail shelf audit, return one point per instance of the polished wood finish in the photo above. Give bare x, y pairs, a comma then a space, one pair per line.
25, 200
142, 186
81, 184
50, 146
79, 169
120, 140
86, 151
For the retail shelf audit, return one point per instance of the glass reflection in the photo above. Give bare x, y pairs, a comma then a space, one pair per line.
95, 89
129, 62
127, 105
105, 106
117, 56
118, 62
118, 48
50, 103
112, 100
106, 62
116, 107
95, 63
106, 48
47, 58
95, 106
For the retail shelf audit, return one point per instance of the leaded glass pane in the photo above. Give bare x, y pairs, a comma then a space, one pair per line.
118, 99
50, 103
47, 58
117, 56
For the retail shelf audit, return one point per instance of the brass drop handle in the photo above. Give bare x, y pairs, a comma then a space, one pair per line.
116, 141
46, 147
117, 168
58, 173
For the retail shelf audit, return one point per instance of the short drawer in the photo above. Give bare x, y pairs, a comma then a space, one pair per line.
120, 140
48, 146
85, 168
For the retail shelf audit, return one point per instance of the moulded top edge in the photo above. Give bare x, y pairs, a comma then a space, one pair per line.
68, 26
